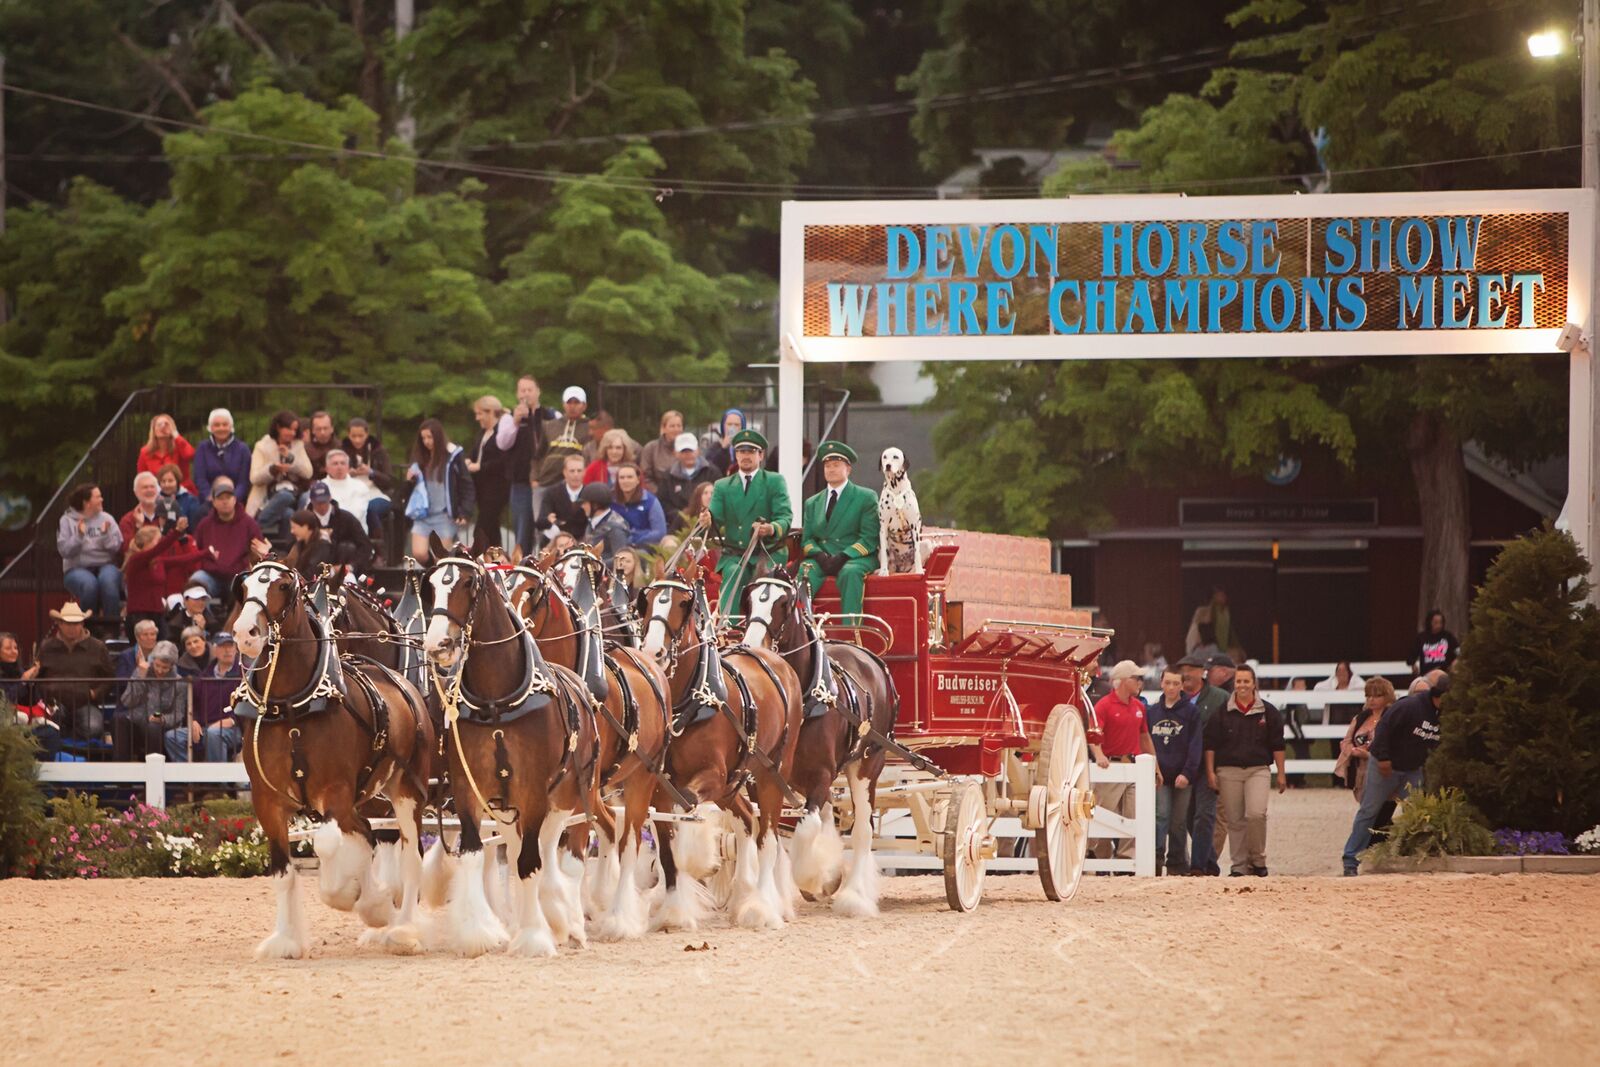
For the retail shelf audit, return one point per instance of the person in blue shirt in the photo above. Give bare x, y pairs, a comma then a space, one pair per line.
647, 522
1174, 724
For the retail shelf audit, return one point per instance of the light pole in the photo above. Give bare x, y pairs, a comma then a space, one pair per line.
1583, 404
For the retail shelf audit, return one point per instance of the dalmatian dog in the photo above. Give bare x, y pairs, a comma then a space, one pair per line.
899, 518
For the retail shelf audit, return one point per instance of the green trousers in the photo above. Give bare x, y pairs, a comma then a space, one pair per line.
852, 581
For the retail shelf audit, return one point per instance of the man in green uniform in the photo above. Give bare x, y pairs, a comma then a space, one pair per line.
841, 529
750, 502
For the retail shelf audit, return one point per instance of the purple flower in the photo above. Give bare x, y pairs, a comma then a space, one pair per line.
1509, 842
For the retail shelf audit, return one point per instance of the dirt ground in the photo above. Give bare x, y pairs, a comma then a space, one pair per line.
1442, 968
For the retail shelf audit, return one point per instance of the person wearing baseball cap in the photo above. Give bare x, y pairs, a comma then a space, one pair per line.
230, 539
752, 503
1207, 700
1124, 734
841, 529
351, 545
564, 435
688, 472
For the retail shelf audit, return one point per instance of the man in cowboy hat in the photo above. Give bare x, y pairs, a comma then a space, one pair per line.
841, 529
72, 653
752, 502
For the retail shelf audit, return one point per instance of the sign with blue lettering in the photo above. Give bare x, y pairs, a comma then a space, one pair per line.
1165, 277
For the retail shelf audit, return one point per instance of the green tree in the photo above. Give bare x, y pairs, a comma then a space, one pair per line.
1518, 728
1430, 84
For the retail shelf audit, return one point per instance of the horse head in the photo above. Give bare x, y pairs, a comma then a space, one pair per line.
264, 598
672, 609
458, 584
769, 605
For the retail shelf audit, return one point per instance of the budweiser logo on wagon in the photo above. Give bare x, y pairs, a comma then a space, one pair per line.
969, 690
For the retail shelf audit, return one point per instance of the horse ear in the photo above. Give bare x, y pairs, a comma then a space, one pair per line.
436, 549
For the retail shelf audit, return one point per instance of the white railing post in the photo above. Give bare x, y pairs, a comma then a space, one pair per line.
155, 780
1144, 815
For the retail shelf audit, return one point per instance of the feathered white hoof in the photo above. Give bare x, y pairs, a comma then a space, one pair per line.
627, 923
376, 906
758, 912
532, 944
683, 908
475, 939
818, 854
697, 846
281, 947
402, 940
851, 903
438, 867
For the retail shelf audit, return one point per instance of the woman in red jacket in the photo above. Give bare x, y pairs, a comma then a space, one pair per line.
156, 566
166, 445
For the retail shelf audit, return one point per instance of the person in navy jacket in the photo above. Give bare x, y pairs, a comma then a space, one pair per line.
647, 522
1174, 724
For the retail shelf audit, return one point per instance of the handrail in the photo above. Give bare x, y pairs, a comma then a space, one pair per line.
827, 431
71, 479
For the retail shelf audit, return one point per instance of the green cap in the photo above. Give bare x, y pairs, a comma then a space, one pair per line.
836, 449
749, 439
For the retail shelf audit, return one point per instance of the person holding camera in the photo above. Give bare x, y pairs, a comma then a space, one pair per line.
280, 470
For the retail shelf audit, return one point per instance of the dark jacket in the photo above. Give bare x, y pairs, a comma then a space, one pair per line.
1433, 652
679, 486
461, 498
212, 692
351, 545
232, 460
568, 512
1241, 740
528, 448
87, 659
1176, 734
1407, 733
373, 455
610, 532
308, 557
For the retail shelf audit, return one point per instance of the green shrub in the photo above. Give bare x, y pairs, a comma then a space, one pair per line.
82, 840
1520, 727
1435, 824
21, 802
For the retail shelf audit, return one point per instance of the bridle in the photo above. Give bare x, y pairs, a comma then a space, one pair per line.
297, 589
676, 634
785, 598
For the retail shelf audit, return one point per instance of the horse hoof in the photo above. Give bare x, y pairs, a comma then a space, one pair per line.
402, 940
531, 945
474, 942
854, 905
281, 947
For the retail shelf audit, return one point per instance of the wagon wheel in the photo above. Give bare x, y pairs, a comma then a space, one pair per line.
1062, 839
962, 846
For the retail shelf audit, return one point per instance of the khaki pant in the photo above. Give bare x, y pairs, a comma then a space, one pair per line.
1219, 835
1115, 797
1242, 792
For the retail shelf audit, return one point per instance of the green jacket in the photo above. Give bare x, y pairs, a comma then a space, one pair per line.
736, 511
853, 529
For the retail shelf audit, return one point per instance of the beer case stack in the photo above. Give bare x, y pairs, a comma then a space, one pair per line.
1002, 576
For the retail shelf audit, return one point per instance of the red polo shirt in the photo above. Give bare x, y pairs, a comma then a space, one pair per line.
1121, 724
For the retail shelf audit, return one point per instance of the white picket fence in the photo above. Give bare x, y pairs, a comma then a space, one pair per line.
154, 774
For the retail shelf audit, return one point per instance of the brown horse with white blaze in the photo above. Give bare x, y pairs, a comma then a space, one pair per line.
522, 748
736, 714
850, 698
331, 733
633, 720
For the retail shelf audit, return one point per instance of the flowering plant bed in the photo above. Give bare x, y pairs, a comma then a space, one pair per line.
1510, 842
80, 839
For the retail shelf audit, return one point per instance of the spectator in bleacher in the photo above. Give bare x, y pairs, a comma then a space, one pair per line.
194, 648
12, 687
309, 550
147, 509
688, 470
719, 456
214, 732
350, 544
351, 494
605, 530
90, 542
1435, 648
633, 571
600, 424
319, 442
1241, 742
175, 498
369, 463
72, 653
144, 570
280, 471
562, 542
1211, 623
156, 701
229, 537
660, 455
612, 454
562, 511
565, 435
1343, 677
647, 523
442, 499
699, 504
166, 445
1124, 733
1174, 724
486, 462
1403, 738
146, 634
220, 455
523, 454
193, 608
1207, 700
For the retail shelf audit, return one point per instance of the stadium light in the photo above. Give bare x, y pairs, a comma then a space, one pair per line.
1545, 44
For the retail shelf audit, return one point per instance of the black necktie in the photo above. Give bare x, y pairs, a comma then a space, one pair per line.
747, 483
833, 498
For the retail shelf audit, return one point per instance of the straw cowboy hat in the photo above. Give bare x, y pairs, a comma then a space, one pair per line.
70, 612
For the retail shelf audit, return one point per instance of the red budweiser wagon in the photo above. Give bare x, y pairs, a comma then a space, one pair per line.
993, 711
